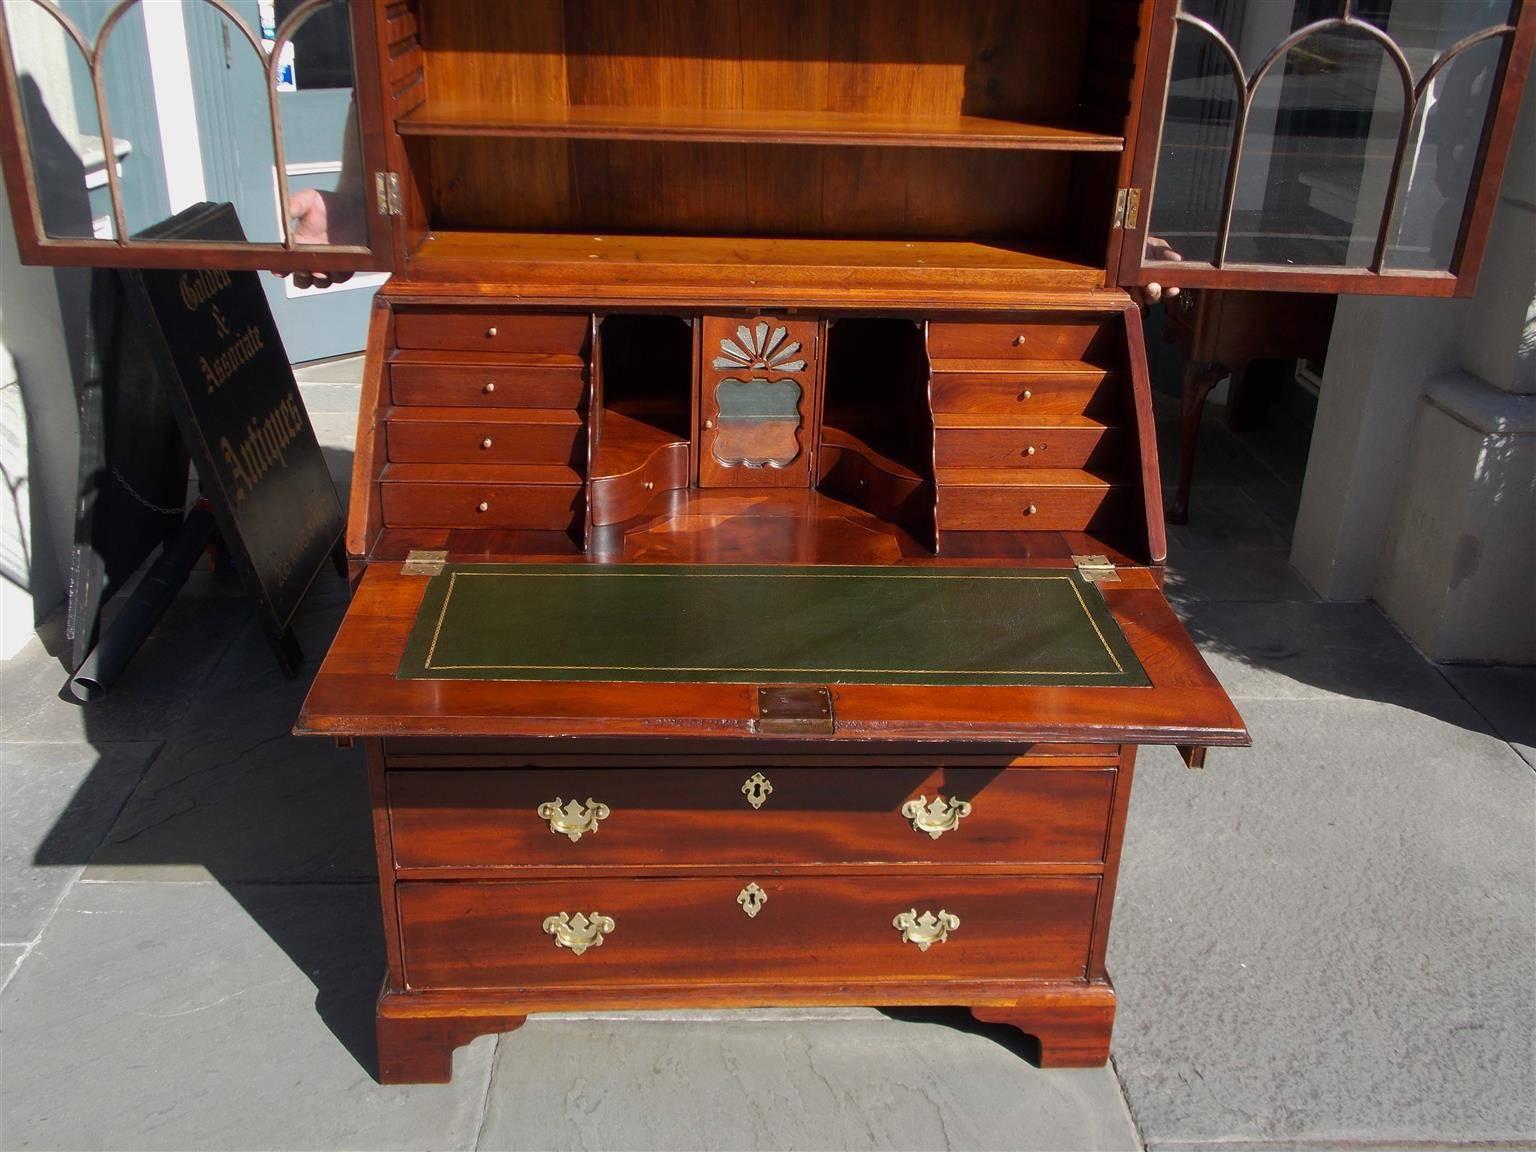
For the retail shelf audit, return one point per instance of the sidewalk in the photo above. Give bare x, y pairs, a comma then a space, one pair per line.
1327, 939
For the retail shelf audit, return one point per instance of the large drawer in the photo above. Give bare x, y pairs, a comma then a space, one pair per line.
1022, 397
682, 816
1025, 506
810, 929
562, 383
1035, 338
983, 442
492, 330
485, 503
472, 436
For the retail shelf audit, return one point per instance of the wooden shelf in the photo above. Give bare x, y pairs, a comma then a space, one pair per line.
776, 126
714, 271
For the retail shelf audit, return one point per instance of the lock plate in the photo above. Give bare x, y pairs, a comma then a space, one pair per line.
794, 711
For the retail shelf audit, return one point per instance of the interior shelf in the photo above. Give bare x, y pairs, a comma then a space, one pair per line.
713, 270
772, 126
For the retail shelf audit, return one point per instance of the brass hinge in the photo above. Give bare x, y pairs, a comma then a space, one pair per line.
1127, 207
423, 563
1096, 569
386, 193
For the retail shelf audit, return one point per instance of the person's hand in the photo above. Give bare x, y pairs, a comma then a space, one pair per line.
321, 218
1160, 250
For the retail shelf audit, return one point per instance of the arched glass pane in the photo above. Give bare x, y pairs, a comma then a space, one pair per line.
1424, 29
69, 158
128, 77
317, 101
1322, 134
1441, 159
234, 127
1192, 160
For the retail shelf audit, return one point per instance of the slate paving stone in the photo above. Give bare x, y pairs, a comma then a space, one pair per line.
1224, 516
813, 1084
234, 795
159, 685
188, 1016
1211, 577
1302, 650
1506, 697
57, 801
1327, 938
11, 955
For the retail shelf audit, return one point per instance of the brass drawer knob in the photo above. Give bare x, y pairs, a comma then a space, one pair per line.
483, 506
490, 386
578, 932
573, 819
1030, 450
936, 816
490, 333
757, 789
1018, 341
1026, 394
486, 443
1030, 510
751, 898
926, 930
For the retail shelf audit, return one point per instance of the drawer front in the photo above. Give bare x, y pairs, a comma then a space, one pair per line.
1021, 397
616, 499
469, 505
682, 816
490, 330
806, 929
1029, 508
558, 439
1037, 447
1037, 338
487, 386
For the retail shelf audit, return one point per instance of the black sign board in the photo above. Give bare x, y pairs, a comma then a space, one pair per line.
228, 381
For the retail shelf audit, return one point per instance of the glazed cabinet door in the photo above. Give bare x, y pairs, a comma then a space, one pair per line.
1323, 145
115, 117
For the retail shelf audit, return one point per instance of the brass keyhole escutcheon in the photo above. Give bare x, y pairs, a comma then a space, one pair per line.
751, 898
757, 789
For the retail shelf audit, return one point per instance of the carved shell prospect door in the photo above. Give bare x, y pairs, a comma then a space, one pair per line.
757, 402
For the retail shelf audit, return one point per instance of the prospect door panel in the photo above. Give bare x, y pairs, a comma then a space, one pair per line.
757, 402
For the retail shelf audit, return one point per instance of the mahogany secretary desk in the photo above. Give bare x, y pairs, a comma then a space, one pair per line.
756, 520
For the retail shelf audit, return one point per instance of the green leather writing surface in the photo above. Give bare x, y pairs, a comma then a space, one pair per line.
775, 625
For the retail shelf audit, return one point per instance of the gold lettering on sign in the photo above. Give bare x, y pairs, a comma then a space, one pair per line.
197, 288
265, 443
241, 351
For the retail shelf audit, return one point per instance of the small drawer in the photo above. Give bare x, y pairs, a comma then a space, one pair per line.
489, 505
806, 929
961, 443
488, 385
683, 816
490, 330
620, 497
1020, 397
1029, 507
1034, 337
467, 436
